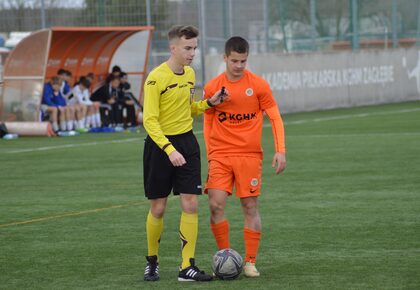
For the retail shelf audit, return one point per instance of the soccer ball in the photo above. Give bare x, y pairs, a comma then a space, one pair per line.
227, 264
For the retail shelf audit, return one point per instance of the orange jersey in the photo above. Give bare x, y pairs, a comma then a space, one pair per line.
234, 128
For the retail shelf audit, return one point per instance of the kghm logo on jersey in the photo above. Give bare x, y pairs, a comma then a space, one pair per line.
222, 117
236, 118
249, 92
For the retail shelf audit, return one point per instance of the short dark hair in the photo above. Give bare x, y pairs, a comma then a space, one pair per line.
116, 68
178, 31
61, 71
236, 44
84, 82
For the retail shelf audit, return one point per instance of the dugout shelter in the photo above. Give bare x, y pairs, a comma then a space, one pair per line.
80, 50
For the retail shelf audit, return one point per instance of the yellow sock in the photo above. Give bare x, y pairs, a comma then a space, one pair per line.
154, 228
188, 231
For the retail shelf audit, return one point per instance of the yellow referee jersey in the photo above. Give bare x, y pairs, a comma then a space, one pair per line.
169, 105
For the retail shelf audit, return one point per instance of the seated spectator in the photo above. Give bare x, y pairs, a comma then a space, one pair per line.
116, 72
107, 96
64, 76
54, 104
66, 91
124, 85
128, 101
81, 97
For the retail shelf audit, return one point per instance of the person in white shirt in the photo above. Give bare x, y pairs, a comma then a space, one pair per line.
81, 97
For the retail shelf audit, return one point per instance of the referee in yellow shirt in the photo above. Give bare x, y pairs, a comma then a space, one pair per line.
171, 158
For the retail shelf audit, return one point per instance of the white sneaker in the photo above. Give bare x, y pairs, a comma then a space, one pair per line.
250, 270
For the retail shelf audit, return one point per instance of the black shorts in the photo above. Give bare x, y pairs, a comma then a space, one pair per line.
161, 177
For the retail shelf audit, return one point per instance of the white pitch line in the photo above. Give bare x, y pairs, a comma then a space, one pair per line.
361, 115
356, 135
73, 145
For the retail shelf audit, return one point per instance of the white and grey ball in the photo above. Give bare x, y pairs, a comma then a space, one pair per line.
227, 264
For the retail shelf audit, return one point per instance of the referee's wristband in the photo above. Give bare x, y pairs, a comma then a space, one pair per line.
166, 146
209, 103
169, 149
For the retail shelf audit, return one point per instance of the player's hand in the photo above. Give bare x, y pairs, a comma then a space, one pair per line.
219, 98
177, 159
279, 162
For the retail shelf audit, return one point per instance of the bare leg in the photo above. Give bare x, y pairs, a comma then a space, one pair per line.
252, 219
158, 206
217, 204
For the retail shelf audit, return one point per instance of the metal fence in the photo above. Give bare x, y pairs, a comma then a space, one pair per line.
279, 26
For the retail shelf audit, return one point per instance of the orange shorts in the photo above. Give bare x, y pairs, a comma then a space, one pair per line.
243, 172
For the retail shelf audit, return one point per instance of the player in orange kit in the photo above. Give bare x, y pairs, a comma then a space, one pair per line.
232, 132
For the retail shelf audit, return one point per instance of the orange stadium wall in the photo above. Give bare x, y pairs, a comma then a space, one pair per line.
80, 50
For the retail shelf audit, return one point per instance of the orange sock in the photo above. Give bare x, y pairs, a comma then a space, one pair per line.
221, 234
252, 241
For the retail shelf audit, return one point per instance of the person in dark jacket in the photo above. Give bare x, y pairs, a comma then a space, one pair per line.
116, 71
127, 100
108, 95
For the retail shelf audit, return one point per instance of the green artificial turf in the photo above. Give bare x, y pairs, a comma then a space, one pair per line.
344, 215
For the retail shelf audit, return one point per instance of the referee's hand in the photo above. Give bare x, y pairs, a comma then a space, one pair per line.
177, 159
